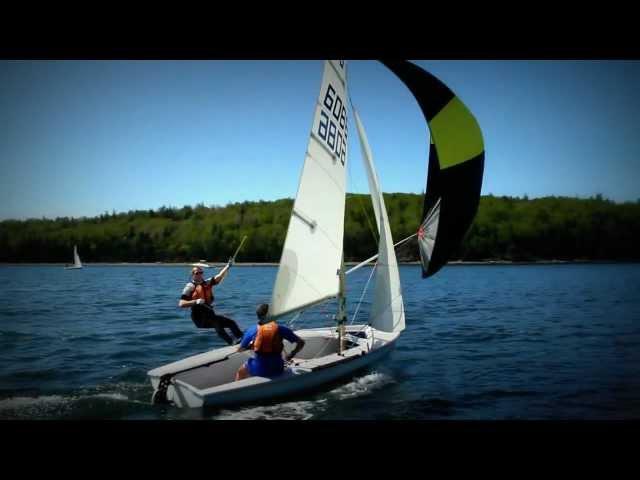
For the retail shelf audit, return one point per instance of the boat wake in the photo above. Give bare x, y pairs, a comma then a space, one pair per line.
310, 409
302, 410
362, 386
82, 404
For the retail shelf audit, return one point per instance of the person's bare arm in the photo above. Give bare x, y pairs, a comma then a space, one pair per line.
220, 276
299, 346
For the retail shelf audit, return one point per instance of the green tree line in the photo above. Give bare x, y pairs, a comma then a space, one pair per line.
505, 228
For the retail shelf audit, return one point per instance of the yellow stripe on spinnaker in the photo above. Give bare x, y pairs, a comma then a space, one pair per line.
456, 134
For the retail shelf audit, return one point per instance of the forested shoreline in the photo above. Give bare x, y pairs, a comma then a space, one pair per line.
505, 229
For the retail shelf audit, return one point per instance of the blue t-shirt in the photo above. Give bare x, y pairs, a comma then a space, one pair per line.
266, 364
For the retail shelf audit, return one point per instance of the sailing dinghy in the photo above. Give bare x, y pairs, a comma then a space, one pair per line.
311, 269
76, 260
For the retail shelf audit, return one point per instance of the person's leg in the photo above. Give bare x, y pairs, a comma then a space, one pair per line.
223, 335
230, 324
200, 319
213, 321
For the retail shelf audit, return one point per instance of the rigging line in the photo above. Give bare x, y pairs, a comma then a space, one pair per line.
295, 317
325, 345
358, 199
366, 215
299, 313
370, 259
354, 316
364, 290
333, 337
385, 308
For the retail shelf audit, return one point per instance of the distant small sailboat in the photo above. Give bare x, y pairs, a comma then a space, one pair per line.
76, 260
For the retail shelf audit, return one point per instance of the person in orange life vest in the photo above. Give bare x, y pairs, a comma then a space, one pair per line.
198, 295
265, 339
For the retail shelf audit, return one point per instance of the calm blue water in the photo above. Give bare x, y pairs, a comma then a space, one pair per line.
482, 342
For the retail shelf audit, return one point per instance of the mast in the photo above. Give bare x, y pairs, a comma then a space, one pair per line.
341, 316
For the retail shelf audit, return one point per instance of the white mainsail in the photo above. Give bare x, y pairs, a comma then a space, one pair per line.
76, 257
387, 311
312, 252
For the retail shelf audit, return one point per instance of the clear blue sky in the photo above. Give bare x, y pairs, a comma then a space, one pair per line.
79, 138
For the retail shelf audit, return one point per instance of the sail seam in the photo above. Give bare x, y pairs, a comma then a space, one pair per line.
327, 173
318, 226
364, 290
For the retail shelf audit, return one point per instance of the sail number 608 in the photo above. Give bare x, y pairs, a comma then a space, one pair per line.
335, 138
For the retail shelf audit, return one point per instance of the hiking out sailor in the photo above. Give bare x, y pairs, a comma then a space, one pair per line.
265, 339
198, 295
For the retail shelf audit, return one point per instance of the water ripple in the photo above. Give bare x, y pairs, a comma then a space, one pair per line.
481, 342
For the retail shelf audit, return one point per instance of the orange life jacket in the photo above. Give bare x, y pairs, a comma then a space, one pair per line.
268, 340
204, 291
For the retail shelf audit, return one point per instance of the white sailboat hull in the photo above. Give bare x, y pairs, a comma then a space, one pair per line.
206, 384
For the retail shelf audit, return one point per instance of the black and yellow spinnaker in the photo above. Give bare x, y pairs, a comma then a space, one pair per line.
456, 165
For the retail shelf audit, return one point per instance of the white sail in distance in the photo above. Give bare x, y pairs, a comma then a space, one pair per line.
387, 311
76, 257
312, 252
